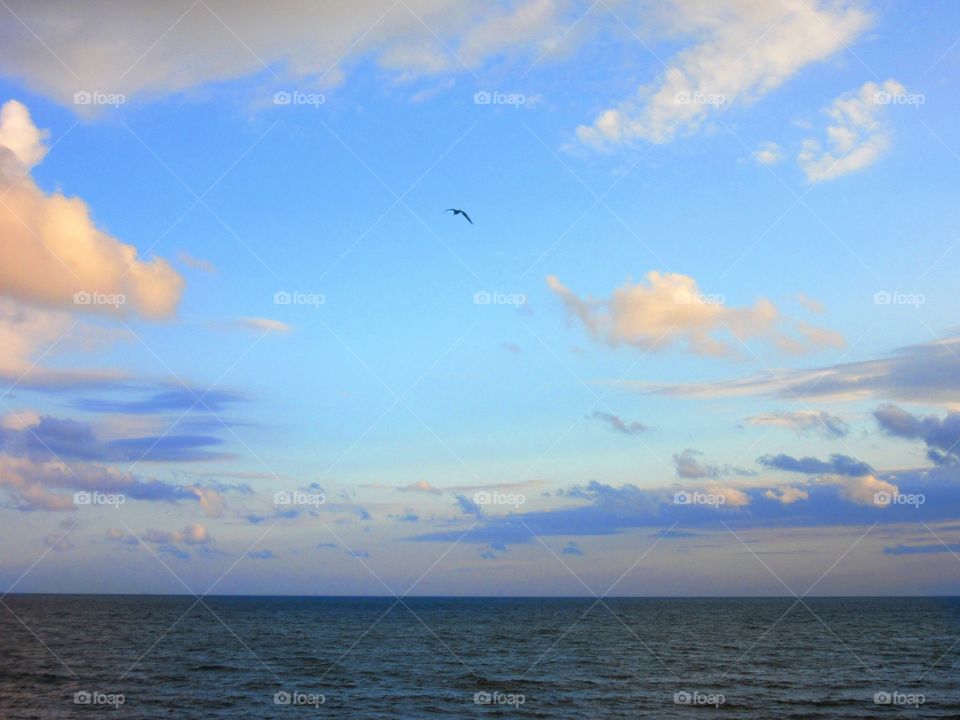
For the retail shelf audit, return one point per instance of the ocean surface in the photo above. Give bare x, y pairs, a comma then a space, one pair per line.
246, 657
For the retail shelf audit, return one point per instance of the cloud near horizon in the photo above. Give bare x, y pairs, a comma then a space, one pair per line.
831, 501
668, 310
52, 252
42, 455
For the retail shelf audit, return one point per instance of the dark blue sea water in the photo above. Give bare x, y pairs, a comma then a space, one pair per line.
174, 657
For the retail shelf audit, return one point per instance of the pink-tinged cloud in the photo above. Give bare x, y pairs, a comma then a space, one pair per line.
52, 251
668, 309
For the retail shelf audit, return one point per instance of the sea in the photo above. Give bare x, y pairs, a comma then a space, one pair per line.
73, 656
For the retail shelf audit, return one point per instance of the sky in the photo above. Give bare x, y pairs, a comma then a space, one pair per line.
699, 337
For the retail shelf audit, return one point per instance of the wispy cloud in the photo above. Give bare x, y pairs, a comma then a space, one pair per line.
803, 422
855, 137
742, 50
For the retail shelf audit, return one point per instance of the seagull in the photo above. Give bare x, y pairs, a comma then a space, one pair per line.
456, 212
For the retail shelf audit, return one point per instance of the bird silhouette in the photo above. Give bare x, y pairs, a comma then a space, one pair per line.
456, 212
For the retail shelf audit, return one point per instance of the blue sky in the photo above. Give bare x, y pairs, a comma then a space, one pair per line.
718, 240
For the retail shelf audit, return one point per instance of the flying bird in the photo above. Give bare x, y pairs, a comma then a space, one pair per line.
456, 212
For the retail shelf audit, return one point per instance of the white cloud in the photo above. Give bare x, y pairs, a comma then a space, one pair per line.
855, 136
861, 490
160, 48
52, 252
20, 136
769, 153
742, 50
669, 309
263, 325
731, 496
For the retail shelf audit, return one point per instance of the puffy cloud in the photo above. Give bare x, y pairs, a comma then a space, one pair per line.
942, 437
194, 534
742, 50
211, 501
732, 497
19, 136
862, 489
787, 494
769, 153
167, 540
620, 425
53, 253
421, 486
923, 373
669, 309
855, 137
804, 421
299, 40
